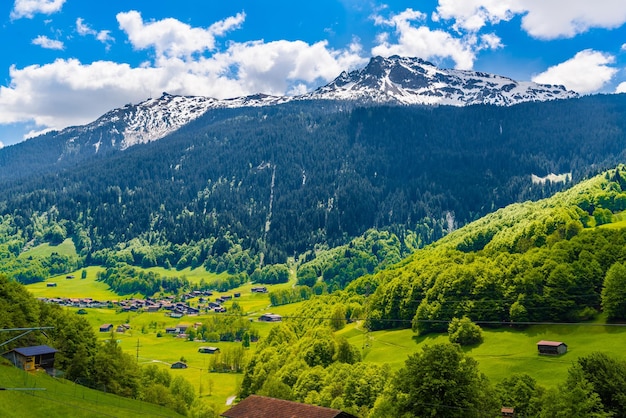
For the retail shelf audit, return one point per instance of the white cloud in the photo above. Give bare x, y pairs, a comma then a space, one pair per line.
621, 88
543, 19
69, 92
587, 72
47, 43
84, 29
472, 15
1, 144
28, 8
423, 42
172, 38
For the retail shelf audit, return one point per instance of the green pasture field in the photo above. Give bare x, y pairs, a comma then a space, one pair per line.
61, 398
504, 351
76, 287
193, 275
44, 250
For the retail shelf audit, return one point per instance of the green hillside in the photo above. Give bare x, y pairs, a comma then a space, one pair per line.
52, 397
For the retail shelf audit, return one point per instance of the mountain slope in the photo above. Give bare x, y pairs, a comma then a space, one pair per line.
411, 81
279, 180
384, 81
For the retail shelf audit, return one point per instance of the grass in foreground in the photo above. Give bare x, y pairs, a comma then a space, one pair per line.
61, 398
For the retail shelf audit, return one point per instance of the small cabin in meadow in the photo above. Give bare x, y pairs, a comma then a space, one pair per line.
551, 348
270, 317
106, 327
179, 365
32, 358
51, 284
208, 350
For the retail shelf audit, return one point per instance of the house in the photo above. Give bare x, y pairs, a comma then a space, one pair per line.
51, 285
31, 358
551, 348
255, 406
270, 317
179, 365
208, 350
507, 412
120, 328
259, 289
106, 327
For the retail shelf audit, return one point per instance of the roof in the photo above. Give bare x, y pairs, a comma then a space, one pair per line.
255, 406
551, 343
36, 350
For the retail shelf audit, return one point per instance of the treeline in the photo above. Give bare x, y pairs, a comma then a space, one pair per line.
532, 262
203, 196
314, 366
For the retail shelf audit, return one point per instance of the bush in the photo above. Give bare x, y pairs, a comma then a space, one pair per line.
464, 332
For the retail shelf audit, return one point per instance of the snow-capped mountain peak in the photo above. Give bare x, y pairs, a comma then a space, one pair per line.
394, 80
409, 81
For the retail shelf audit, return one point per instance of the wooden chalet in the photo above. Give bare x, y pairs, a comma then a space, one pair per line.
270, 317
551, 348
208, 350
106, 327
179, 365
32, 358
255, 406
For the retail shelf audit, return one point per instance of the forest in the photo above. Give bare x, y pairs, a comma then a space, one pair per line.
238, 189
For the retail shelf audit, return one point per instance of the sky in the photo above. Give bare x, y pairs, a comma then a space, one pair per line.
67, 62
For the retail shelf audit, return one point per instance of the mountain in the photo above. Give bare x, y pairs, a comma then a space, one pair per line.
411, 81
384, 81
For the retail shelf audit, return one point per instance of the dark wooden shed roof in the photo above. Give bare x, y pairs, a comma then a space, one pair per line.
36, 350
255, 406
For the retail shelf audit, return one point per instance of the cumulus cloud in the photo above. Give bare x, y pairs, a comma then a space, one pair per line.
47, 43
173, 38
186, 61
103, 36
588, 72
421, 41
621, 88
545, 19
28, 8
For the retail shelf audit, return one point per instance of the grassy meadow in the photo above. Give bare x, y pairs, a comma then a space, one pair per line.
505, 351
60, 398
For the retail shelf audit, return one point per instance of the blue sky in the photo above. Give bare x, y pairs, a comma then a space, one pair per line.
66, 62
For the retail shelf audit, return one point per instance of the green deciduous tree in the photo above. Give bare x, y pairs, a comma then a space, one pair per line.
464, 332
614, 292
441, 381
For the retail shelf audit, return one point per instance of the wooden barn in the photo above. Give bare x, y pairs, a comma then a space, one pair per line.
208, 350
270, 317
32, 358
178, 365
551, 348
255, 406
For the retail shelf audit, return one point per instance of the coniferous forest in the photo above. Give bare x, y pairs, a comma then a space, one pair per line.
241, 188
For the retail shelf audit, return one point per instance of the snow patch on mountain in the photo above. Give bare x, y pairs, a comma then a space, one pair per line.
395, 80
412, 81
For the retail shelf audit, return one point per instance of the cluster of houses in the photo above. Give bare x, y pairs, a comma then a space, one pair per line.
168, 303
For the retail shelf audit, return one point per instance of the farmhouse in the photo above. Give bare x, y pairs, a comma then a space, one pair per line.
31, 358
179, 365
106, 327
51, 284
270, 317
263, 407
551, 348
208, 350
